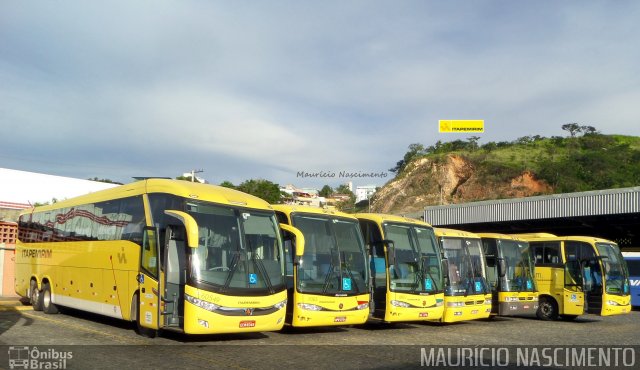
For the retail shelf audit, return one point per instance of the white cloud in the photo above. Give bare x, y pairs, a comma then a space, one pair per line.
274, 88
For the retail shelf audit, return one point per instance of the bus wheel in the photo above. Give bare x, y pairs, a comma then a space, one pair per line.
47, 305
36, 297
547, 309
135, 314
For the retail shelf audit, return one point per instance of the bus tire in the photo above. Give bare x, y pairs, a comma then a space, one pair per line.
547, 309
48, 306
135, 315
35, 296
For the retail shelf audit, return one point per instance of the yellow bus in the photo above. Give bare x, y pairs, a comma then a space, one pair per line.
329, 283
166, 254
406, 268
467, 295
588, 260
510, 274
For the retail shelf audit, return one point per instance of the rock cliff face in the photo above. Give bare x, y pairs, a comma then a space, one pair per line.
450, 180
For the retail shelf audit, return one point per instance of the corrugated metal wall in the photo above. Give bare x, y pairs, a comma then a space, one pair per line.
602, 202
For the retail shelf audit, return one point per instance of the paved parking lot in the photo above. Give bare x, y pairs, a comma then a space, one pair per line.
100, 342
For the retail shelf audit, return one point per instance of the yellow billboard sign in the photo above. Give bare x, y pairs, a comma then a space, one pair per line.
461, 125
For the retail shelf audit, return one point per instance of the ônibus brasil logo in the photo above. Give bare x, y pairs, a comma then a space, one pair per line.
25, 357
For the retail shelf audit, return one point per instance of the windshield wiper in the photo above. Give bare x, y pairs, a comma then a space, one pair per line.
235, 261
421, 273
332, 268
346, 266
260, 267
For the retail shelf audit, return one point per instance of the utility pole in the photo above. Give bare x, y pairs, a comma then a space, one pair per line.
193, 174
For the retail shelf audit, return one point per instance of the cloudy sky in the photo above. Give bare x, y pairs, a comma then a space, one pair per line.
267, 89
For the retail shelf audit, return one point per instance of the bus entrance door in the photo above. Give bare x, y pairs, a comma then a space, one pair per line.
174, 277
148, 305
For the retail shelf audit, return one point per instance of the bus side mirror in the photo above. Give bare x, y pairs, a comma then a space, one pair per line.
291, 233
502, 267
445, 266
391, 252
190, 225
605, 265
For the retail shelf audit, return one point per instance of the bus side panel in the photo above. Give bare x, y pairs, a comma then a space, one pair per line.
634, 279
543, 279
93, 276
24, 272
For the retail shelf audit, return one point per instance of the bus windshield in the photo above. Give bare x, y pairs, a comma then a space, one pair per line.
466, 271
417, 267
617, 276
237, 248
519, 266
334, 259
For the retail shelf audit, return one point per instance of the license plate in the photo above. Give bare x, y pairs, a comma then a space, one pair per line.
424, 314
340, 319
248, 324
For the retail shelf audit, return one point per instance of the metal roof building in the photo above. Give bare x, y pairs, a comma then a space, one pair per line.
606, 213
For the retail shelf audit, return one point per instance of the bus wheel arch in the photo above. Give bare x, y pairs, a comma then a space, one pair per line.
133, 312
135, 318
547, 308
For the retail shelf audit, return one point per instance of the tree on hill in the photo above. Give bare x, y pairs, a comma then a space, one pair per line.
347, 205
415, 150
227, 184
260, 188
572, 128
326, 191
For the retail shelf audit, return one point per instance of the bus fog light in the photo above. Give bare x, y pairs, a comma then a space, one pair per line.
400, 304
280, 305
309, 307
202, 304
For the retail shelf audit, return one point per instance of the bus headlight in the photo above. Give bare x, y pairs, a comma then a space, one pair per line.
362, 306
511, 299
613, 303
488, 301
400, 304
280, 305
309, 307
202, 304
455, 304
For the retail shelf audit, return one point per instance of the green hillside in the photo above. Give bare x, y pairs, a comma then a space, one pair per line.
568, 164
